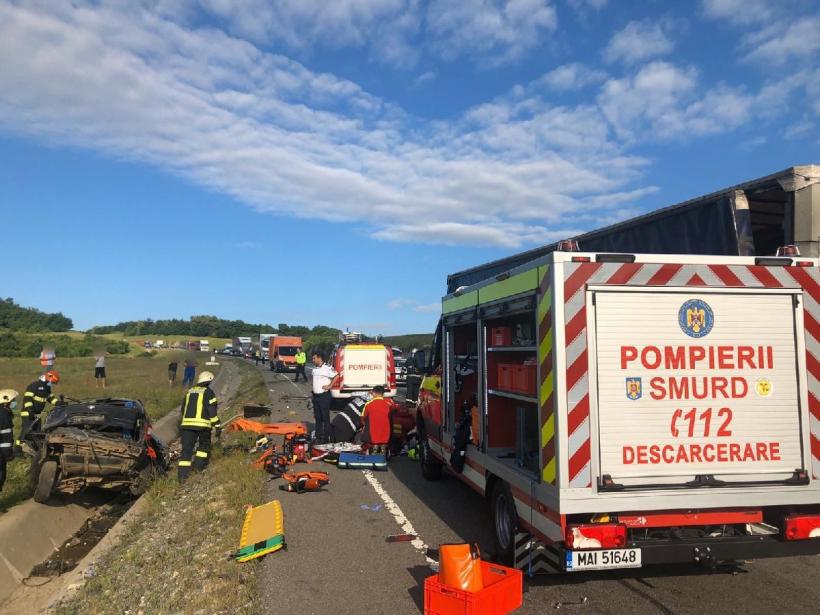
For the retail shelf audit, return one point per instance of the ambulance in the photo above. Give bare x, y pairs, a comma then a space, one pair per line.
628, 409
622, 410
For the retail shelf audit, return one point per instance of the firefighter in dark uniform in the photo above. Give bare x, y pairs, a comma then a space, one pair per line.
199, 417
8, 401
348, 422
37, 395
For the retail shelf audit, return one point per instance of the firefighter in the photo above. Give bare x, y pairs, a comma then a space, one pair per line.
199, 417
378, 422
37, 395
8, 401
348, 422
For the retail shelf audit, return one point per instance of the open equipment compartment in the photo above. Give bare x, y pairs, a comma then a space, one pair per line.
511, 377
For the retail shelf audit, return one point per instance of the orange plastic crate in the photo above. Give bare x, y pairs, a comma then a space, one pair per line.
506, 376
524, 379
502, 593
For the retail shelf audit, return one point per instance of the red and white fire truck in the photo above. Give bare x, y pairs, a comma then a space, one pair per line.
361, 366
632, 409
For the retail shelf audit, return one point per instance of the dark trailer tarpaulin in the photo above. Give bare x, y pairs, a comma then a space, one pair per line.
752, 218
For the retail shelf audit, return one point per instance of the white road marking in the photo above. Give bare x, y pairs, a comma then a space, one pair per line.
402, 521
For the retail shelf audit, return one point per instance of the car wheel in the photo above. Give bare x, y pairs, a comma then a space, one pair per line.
430, 468
504, 520
45, 481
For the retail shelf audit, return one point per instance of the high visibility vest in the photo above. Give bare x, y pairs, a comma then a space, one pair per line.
301, 358
199, 411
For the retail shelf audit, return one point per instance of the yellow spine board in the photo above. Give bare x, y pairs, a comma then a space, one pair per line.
262, 522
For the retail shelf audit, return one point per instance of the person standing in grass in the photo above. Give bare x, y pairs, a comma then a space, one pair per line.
190, 373
199, 417
172, 371
99, 367
47, 358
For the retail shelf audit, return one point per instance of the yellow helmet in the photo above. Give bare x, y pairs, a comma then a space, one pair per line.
205, 377
8, 395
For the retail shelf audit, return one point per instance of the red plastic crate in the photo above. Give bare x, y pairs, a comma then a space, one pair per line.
506, 376
502, 593
501, 336
524, 379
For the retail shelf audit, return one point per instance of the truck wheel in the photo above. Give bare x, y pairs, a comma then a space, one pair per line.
504, 520
45, 482
430, 468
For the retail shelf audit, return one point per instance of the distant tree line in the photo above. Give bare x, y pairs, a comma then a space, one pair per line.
30, 345
196, 326
17, 318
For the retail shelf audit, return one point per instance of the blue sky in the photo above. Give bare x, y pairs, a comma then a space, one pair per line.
306, 161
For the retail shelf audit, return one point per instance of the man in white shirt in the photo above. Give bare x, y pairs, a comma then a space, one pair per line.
324, 377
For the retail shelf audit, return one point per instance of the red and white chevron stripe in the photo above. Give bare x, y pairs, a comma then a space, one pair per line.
577, 276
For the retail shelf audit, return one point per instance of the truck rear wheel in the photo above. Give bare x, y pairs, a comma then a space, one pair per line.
45, 481
430, 468
504, 520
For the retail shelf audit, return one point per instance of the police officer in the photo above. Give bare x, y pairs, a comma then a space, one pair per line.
37, 395
8, 401
198, 418
301, 359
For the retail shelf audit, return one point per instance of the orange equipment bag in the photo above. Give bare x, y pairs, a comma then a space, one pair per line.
240, 424
299, 482
460, 567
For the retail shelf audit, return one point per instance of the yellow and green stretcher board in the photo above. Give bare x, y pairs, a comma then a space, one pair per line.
263, 532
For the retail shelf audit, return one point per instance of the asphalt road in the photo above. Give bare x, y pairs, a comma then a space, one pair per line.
338, 561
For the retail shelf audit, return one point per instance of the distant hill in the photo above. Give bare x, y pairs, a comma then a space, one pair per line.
17, 318
195, 326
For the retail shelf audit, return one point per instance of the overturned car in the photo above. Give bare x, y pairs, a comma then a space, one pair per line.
104, 443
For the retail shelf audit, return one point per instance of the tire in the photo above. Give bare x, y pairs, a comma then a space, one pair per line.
430, 468
504, 521
45, 481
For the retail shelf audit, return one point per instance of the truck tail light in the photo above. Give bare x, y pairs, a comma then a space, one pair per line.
789, 250
596, 536
801, 527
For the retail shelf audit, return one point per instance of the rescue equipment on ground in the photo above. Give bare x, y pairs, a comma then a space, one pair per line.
502, 593
460, 567
263, 532
299, 482
239, 424
355, 461
329, 453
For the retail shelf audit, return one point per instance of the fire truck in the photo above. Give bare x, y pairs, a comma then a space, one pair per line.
623, 409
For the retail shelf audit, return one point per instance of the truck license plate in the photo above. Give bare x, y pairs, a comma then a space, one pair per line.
603, 559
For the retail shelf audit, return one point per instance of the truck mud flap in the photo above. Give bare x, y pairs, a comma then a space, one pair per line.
534, 557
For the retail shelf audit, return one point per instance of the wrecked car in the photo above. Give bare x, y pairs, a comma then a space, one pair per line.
104, 443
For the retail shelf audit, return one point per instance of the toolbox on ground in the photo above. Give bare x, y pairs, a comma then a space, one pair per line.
502, 593
355, 461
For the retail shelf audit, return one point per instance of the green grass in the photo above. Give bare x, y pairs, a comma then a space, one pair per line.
174, 557
145, 379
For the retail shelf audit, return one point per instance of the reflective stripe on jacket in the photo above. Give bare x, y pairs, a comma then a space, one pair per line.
37, 394
199, 411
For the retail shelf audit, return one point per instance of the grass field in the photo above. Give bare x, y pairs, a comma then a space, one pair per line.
178, 546
145, 379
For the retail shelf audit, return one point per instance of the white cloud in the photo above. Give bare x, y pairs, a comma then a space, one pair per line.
424, 78
740, 12
428, 308
498, 29
638, 41
397, 304
797, 40
572, 76
267, 131
581, 5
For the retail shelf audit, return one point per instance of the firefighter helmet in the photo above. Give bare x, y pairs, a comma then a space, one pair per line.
52, 377
7, 396
205, 377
